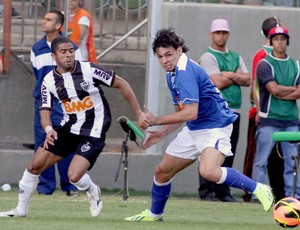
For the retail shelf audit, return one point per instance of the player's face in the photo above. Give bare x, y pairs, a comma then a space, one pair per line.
49, 23
64, 57
279, 43
168, 57
219, 38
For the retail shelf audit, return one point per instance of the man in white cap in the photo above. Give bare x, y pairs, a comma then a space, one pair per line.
278, 79
228, 72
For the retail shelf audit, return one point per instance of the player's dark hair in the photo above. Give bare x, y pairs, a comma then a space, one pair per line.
268, 24
166, 38
57, 41
60, 18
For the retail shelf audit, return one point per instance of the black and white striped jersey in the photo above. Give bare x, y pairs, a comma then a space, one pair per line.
86, 110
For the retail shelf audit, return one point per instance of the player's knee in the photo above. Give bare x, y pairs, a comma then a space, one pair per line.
73, 177
34, 169
209, 173
161, 175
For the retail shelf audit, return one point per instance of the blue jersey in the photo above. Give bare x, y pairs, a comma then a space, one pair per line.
190, 84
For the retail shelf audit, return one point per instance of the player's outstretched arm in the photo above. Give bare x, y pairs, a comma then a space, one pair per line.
129, 96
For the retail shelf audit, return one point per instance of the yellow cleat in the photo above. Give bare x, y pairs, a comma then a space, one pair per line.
144, 216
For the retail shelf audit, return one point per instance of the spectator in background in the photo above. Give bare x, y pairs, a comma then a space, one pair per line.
228, 72
42, 64
91, 7
275, 163
279, 87
81, 30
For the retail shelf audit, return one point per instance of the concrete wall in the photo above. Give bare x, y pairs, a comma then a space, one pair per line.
16, 104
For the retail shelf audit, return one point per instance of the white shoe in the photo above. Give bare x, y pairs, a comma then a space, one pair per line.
11, 213
95, 203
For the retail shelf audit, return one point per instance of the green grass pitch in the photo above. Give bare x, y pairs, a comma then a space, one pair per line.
182, 213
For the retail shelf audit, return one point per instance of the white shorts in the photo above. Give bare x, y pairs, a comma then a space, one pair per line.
190, 144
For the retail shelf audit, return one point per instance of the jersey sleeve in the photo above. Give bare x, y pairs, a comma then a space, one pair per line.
101, 75
188, 87
46, 99
264, 72
256, 59
84, 20
209, 63
243, 66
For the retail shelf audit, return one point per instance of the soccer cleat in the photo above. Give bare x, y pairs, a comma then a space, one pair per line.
11, 213
95, 203
264, 195
144, 216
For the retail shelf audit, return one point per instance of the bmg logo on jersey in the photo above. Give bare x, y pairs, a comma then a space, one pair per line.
78, 106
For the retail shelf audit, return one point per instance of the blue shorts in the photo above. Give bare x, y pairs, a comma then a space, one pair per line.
68, 143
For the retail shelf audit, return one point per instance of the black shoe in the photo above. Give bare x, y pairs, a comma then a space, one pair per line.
15, 14
44, 194
28, 145
73, 193
209, 198
228, 198
247, 197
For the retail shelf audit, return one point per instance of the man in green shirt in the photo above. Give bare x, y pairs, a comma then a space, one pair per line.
228, 72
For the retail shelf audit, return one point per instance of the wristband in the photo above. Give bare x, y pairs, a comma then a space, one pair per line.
48, 129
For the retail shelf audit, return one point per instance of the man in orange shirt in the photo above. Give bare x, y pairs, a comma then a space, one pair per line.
81, 30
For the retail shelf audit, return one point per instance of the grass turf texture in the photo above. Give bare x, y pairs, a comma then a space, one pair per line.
61, 212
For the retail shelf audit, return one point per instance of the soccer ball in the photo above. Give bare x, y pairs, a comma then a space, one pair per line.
6, 187
286, 212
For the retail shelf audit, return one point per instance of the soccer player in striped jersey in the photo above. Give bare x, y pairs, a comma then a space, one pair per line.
77, 85
42, 64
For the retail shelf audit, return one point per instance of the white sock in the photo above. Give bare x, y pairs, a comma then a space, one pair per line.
224, 175
85, 183
27, 186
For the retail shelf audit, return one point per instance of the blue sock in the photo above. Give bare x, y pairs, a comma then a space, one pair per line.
236, 179
160, 195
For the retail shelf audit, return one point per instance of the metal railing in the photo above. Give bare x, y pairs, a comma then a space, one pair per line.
112, 19
122, 38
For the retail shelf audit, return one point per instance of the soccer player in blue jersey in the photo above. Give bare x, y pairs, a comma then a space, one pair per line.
206, 135
86, 120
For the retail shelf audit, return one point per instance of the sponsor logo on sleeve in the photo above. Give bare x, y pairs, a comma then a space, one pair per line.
101, 74
44, 95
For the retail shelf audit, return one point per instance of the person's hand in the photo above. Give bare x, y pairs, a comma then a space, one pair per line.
50, 138
154, 137
149, 115
143, 122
